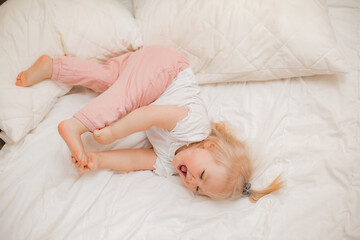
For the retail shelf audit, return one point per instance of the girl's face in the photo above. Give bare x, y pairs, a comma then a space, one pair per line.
199, 171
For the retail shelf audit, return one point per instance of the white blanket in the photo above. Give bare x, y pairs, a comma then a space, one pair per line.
306, 128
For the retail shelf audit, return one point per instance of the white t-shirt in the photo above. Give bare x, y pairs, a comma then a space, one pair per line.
184, 92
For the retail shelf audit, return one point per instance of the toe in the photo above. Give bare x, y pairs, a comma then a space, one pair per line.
20, 81
19, 76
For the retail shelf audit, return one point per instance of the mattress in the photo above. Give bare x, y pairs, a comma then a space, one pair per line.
305, 128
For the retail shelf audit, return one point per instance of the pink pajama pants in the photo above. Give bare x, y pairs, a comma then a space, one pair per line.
127, 82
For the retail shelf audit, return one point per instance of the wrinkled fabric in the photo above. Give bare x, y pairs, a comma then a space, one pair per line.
305, 128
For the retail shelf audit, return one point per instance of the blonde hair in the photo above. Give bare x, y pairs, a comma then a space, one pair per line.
231, 153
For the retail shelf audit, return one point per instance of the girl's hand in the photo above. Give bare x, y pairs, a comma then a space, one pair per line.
91, 164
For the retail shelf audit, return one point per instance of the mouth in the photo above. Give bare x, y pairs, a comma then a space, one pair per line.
182, 169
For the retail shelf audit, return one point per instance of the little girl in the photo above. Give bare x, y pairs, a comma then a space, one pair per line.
152, 90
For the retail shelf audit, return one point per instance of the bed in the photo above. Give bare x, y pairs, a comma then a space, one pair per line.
293, 96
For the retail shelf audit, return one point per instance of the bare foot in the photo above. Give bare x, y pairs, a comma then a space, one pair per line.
42, 69
104, 136
71, 130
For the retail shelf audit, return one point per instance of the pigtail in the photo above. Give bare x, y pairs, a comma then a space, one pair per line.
255, 195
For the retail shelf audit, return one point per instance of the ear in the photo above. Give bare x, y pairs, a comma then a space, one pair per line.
209, 144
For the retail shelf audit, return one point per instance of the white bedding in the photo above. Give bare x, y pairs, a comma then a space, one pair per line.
306, 128
232, 40
91, 29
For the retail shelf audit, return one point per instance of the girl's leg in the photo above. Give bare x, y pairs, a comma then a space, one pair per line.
88, 73
70, 130
148, 73
93, 75
74, 71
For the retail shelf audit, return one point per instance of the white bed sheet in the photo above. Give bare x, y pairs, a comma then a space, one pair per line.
306, 128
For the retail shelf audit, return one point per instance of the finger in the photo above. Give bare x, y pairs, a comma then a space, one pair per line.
77, 164
91, 166
81, 158
83, 168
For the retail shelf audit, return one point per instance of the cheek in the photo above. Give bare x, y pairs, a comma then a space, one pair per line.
184, 181
186, 185
193, 160
191, 156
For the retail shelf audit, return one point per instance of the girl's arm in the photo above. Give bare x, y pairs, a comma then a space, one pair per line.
142, 119
125, 160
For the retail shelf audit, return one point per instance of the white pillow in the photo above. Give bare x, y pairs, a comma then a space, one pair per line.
244, 40
96, 29
29, 28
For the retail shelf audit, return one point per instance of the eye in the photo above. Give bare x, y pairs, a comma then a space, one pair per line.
202, 175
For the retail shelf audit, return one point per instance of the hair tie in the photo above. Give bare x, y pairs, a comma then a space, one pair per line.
246, 189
